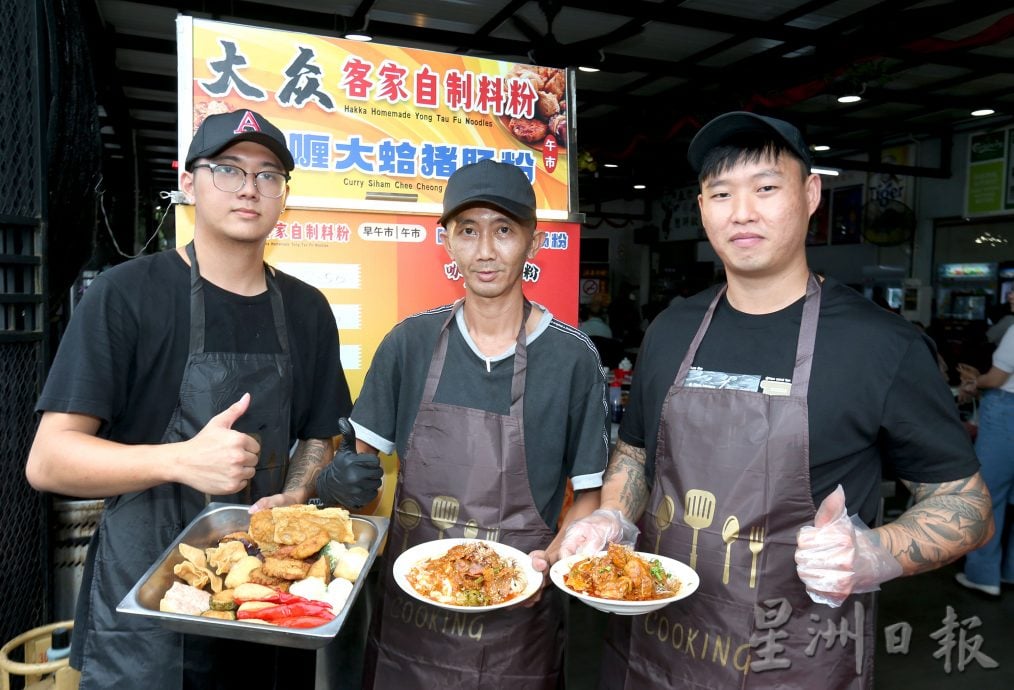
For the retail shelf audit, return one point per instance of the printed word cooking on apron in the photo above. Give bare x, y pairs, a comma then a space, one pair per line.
136, 528
731, 490
464, 474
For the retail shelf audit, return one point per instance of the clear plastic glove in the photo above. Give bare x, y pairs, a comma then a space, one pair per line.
352, 479
592, 532
837, 556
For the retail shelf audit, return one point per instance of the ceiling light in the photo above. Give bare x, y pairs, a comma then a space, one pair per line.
585, 68
639, 186
820, 147
852, 98
825, 171
983, 112
357, 29
610, 165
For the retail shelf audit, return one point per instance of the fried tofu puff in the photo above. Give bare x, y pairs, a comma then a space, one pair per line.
259, 578
262, 527
311, 545
285, 568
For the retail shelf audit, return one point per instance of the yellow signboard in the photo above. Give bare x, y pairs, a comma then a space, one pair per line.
380, 127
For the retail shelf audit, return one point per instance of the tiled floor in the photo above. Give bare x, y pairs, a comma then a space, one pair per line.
924, 602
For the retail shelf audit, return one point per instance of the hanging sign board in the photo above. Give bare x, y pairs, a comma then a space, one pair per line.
380, 127
990, 181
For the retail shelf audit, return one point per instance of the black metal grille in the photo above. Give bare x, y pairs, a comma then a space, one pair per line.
23, 547
24, 560
20, 147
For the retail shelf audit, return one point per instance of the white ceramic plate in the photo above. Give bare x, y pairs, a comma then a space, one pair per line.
435, 549
687, 576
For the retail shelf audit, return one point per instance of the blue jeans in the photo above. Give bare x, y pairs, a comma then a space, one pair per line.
995, 447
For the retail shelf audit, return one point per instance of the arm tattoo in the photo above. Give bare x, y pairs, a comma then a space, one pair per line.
309, 459
947, 521
626, 481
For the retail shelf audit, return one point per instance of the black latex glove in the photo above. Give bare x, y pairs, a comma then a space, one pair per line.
352, 479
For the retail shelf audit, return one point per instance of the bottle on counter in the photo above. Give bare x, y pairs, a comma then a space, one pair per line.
616, 400
624, 373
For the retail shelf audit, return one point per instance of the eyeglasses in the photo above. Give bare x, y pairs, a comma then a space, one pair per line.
229, 178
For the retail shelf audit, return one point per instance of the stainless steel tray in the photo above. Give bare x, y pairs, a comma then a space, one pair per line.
213, 523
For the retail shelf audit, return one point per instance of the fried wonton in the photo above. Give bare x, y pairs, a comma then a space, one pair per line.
223, 557
193, 554
197, 576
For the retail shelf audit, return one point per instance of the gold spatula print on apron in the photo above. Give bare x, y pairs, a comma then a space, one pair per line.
444, 513
700, 511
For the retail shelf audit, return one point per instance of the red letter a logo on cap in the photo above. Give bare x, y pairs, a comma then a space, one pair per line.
247, 124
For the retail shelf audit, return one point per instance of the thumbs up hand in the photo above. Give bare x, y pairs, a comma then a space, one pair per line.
219, 460
839, 556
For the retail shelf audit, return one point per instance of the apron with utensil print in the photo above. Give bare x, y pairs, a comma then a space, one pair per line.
731, 490
464, 474
125, 651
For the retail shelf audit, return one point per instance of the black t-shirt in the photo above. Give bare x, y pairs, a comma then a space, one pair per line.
877, 402
124, 352
564, 401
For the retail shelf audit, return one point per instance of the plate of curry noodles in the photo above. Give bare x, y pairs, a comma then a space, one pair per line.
472, 575
623, 581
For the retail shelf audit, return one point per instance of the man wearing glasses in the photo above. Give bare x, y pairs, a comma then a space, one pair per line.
187, 376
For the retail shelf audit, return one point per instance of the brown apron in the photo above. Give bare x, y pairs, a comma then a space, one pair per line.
137, 527
464, 473
731, 490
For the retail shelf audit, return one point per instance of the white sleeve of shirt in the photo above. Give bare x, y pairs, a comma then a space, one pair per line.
1003, 358
366, 436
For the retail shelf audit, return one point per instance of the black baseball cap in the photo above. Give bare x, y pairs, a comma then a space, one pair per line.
731, 125
502, 185
225, 129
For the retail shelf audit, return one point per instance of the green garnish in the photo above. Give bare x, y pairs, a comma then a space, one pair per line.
657, 571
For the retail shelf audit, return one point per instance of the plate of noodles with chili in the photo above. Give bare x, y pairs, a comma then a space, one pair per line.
623, 581
472, 575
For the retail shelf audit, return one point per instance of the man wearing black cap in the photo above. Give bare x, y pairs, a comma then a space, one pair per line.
186, 376
491, 404
752, 403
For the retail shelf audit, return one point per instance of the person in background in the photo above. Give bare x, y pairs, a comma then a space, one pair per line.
492, 404
1003, 321
594, 324
993, 563
761, 415
187, 376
